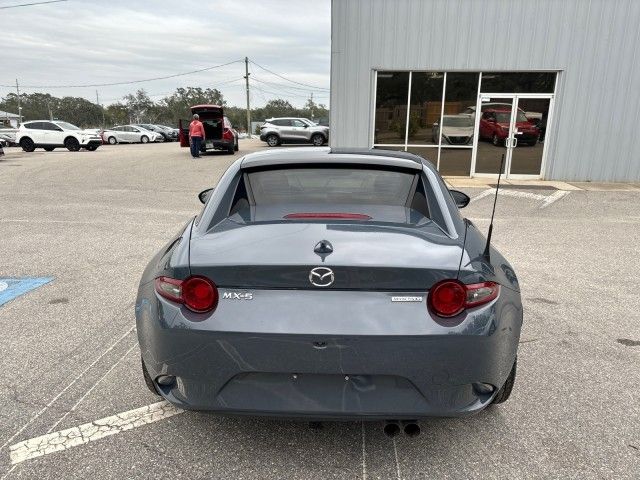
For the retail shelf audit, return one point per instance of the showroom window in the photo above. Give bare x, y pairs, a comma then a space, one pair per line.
432, 113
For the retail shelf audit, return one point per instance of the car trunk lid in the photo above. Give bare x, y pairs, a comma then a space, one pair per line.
393, 250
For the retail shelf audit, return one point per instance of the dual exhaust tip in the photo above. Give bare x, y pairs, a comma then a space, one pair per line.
392, 429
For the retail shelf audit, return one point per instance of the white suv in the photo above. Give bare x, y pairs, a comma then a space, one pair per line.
53, 134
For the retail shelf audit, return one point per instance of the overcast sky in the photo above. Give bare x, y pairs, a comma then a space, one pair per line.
80, 42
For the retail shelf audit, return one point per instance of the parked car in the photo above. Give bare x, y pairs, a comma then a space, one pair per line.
276, 131
219, 133
8, 138
494, 126
455, 130
172, 132
54, 134
162, 133
128, 134
369, 297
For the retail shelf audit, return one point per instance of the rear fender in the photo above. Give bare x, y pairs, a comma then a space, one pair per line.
475, 267
173, 259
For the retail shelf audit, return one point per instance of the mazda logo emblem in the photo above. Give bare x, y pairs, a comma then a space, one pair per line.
321, 276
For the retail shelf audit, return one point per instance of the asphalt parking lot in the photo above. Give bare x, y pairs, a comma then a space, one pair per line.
87, 223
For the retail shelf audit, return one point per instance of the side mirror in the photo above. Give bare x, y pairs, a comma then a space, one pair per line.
461, 198
204, 195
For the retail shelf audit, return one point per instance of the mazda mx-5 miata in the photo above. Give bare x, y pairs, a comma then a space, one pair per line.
330, 284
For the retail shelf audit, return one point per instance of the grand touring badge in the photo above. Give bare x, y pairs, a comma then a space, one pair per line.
406, 299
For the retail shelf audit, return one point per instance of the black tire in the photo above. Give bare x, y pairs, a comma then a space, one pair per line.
49, 149
72, 144
505, 392
317, 139
147, 379
112, 140
144, 139
92, 148
495, 140
236, 147
272, 140
27, 144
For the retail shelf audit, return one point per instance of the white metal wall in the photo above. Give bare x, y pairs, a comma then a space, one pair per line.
595, 45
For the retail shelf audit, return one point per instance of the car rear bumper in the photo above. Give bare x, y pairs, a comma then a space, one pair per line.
325, 376
216, 145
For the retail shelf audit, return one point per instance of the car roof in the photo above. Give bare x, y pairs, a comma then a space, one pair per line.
315, 155
207, 106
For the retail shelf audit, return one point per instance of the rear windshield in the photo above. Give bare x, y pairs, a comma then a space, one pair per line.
331, 186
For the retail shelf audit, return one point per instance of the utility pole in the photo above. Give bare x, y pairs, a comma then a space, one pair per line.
246, 77
311, 105
19, 105
101, 108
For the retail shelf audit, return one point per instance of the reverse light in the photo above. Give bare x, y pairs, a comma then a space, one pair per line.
198, 294
449, 298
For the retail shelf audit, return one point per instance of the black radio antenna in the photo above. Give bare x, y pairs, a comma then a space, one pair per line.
493, 212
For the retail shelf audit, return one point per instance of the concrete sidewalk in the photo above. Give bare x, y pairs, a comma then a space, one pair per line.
461, 182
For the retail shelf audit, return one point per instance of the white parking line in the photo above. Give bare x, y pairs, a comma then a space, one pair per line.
395, 452
545, 199
90, 432
69, 385
364, 453
554, 197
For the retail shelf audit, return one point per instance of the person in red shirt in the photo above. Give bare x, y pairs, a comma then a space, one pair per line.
196, 136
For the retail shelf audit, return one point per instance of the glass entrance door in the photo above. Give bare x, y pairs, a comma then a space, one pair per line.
493, 133
529, 131
514, 126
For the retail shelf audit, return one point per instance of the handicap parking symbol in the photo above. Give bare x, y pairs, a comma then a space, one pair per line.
11, 288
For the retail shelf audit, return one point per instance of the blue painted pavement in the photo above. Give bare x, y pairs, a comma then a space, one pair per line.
11, 288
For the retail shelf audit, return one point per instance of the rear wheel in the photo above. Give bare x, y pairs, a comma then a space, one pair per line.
147, 378
144, 139
27, 144
317, 140
49, 149
112, 140
72, 144
273, 140
505, 392
495, 140
92, 148
236, 147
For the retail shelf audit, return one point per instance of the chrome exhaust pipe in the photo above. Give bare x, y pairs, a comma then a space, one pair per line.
411, 429
391, 429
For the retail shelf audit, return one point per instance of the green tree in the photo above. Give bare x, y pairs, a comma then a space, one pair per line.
177, 106
116, 114
139, 106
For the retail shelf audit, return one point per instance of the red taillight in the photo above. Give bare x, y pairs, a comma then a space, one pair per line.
227, 134
198, 294
330, 215
450, 297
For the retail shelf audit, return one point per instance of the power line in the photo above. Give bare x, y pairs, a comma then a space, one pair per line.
30, 4
282, 94
288, 79
287, 87
128, 82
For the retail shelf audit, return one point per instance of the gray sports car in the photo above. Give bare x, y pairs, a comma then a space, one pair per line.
330, 284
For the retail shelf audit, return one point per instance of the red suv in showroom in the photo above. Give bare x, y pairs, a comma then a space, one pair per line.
494, 126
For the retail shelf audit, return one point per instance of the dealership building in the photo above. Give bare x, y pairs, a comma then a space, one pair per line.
554, 85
